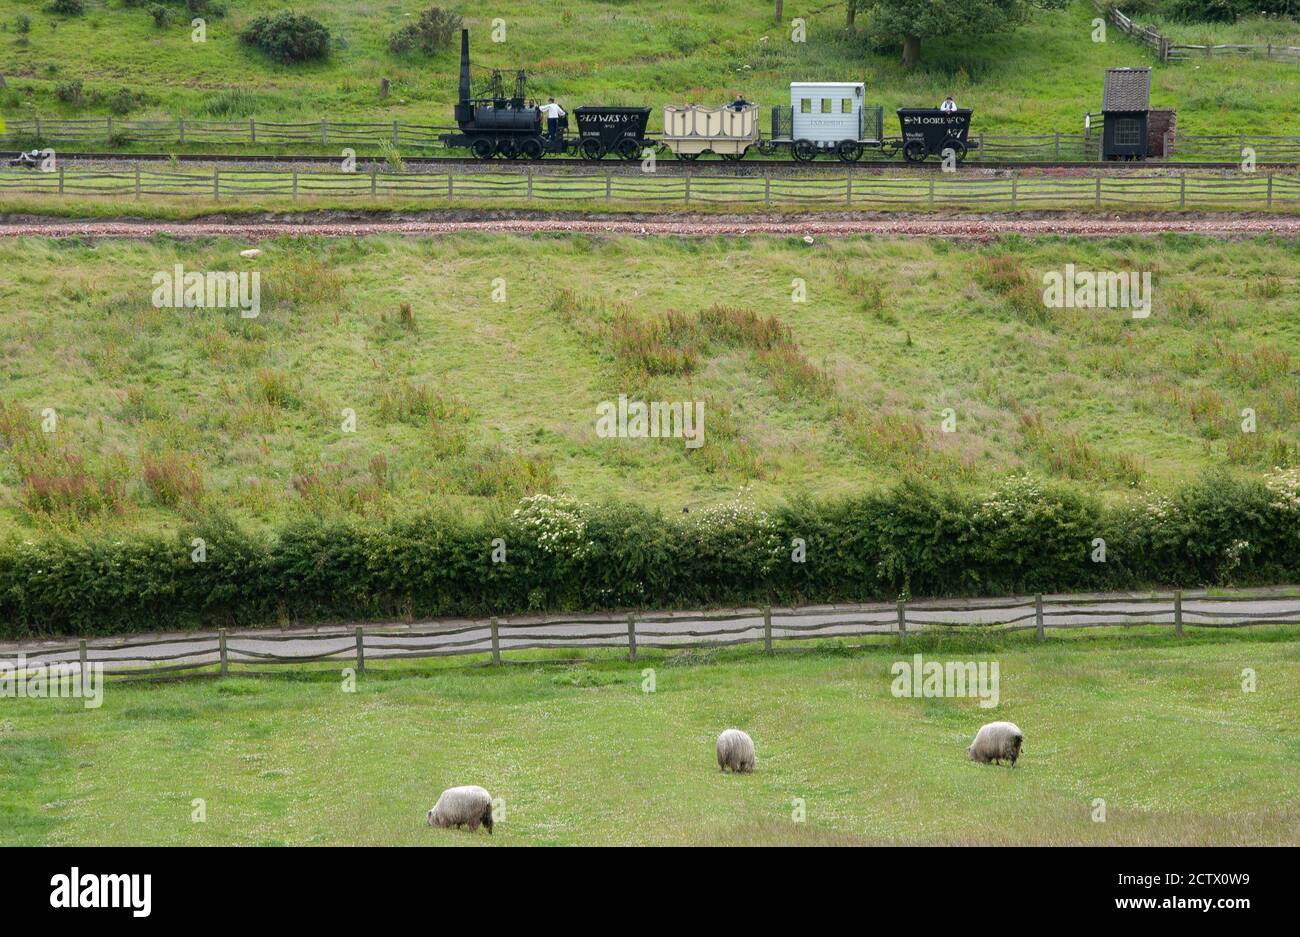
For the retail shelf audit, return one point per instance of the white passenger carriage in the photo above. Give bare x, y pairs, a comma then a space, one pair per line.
827, 117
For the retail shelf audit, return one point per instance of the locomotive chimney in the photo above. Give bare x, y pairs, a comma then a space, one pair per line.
464, 65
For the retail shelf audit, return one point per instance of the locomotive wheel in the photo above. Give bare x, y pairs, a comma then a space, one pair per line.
628, 149
914, 151
957, 147
508, 149
804, 150
531, 148
850, 151
592, 149
483, 148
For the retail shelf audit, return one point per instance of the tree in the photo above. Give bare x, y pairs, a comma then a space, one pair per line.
910, 21
851, 12
780, 5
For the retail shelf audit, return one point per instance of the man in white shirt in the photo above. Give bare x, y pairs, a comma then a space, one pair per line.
553, 112
948, 104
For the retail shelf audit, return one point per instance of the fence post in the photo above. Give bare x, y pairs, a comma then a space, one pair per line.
1058, 144
929, 199
848, 190
180, 130
449, 185
609, 185
81, 660
374, 174
767, 188
137, 180
981, 156
38, 129
221, 645
324, 133
295, 183
361, 651
902, 619
631, 636
1038, 614
1167, 148
252, 130
394, 133
1099, 191
1182, 191
530, 183
767, 630
1178, 613
108, 129
60, 178
1013, 193
496, 645
216, 183
1270, 190
688, 188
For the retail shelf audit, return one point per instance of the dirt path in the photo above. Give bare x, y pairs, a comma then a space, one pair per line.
964, 227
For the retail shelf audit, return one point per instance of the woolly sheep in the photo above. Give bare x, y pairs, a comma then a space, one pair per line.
458, 806
996, 742
735, 751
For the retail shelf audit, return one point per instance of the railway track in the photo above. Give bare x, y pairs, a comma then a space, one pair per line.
710, 167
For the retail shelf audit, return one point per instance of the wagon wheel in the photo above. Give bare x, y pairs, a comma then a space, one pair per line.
914, 151
591, 148
531, 148
732, 157
483, 148
804, 150
628, 149
767, 147
957, 148
850, 151
687, 157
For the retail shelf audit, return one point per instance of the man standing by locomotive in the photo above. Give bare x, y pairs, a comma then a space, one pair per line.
553, 114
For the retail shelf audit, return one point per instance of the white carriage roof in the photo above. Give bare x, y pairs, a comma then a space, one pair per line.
826, 85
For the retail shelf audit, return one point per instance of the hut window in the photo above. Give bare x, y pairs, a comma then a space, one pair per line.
805, 106
1128, 132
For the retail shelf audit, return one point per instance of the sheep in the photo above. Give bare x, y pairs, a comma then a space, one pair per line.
735, 751
995, 742
458, 806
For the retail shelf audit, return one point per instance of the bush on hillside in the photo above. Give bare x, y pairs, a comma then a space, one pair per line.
288, 37
65, 7
434, 30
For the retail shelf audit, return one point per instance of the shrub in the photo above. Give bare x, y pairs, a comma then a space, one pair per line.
65, 7
434, 29
23, 23
288, 37
161, 15
70, 92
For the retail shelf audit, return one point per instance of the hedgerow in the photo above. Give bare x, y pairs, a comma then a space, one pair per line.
562, 556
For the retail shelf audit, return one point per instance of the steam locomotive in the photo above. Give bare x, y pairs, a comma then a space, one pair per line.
513, 127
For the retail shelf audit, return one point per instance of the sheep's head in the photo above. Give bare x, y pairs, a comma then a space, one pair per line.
431, 820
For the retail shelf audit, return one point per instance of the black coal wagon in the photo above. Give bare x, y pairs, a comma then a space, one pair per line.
929, 131
617, 130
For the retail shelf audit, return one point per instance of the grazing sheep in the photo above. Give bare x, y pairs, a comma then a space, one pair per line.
735, 751
996, 742
458, 806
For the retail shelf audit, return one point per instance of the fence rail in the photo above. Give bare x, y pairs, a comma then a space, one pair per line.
494, 638
1271, 190
1167, 50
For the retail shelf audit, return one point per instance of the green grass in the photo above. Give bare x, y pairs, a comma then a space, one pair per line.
1040, 78
469, 403
1161, 730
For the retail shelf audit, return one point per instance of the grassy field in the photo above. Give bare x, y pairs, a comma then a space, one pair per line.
1040, 78
464, 401
1161, 731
